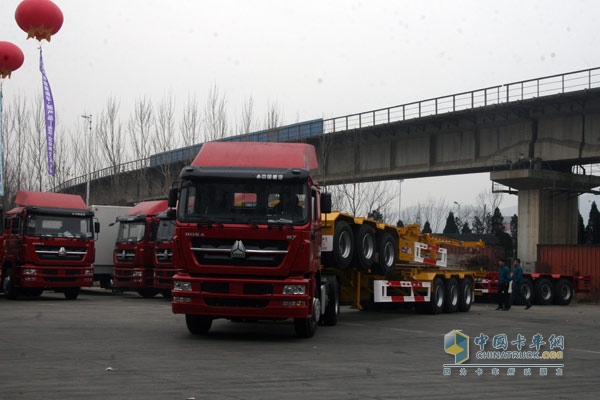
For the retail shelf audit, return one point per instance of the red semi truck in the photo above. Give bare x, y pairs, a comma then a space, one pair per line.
164, 269
134, 251
240, 254
48, 245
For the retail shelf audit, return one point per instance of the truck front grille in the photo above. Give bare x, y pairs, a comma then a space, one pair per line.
60, 253
239, 253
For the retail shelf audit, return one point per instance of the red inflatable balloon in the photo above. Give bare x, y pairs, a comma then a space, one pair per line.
39, 18
11, 58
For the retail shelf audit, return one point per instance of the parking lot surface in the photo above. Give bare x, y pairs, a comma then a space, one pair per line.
108, 345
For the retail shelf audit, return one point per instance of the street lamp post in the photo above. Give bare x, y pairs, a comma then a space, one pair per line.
87, 161
400, 199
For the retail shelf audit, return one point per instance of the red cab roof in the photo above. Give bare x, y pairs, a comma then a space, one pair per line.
148, 207
257, 154
49, 199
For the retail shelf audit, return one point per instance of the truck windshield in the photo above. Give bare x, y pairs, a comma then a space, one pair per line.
254, 202
131, 231
165, 231
59, 226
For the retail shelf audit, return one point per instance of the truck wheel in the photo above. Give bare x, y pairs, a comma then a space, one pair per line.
437, 299
8, 285
365, 247
332, 309
306, 327
71, 293
198, 324
527, 290
147, 293
343, 247
543, 291
386, 248
452, 296
465, 294
563, 292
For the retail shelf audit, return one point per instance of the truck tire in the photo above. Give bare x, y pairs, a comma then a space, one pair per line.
198, 324
71, 293
332, 309
465, 294
306, 327
544, 292
527, 290
365, 247
343, 247
147, 293
437, 299
387, 252
563, 292
452, 296
8, 285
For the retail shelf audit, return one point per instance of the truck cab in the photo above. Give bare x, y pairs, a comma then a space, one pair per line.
48, 245
248, 237
164, 269
134, 248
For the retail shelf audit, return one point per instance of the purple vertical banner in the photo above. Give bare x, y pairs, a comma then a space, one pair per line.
49, 113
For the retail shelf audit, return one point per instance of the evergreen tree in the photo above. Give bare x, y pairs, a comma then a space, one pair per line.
426, 228
451, 226
581, 233
514, 232
376, 215
466, 230
478, 226
594, 224
497, 222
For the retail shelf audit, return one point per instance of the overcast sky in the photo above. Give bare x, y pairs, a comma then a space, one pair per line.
313, 59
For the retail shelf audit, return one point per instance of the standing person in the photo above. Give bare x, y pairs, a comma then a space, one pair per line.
503, 282
517, 282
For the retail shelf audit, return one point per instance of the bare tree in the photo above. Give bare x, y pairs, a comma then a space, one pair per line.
16, 127
37, 158
165, 139
215, 115
111, 138
190, 123
139, 128
246, 122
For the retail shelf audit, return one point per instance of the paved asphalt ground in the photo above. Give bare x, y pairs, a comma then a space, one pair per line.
120, 346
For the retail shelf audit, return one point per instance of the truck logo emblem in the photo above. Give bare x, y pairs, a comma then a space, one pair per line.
238, 250
62, 252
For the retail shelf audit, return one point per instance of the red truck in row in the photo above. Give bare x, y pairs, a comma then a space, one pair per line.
47, 244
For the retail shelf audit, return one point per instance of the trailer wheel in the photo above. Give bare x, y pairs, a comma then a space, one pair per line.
332, 309
343, 247
527, 290
198, 324
437, 300
543, 291
365, 247
452, 296
386, 248
563, 292
306, 327
466, 295
71, 293
8, 285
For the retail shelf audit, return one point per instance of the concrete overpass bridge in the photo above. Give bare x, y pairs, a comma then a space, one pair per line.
533, 136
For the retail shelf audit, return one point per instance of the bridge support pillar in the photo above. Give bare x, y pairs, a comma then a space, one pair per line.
548, 207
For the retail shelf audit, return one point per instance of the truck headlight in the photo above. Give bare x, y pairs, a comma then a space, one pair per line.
29, 271
294, 289
138, 273
182, 285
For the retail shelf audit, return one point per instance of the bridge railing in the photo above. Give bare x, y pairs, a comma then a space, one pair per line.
514, 91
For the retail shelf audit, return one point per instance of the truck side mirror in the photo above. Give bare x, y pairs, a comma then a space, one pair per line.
97, 227
171, 213
172, 202
325, 203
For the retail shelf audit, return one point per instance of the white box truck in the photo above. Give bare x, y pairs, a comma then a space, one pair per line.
105, 244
